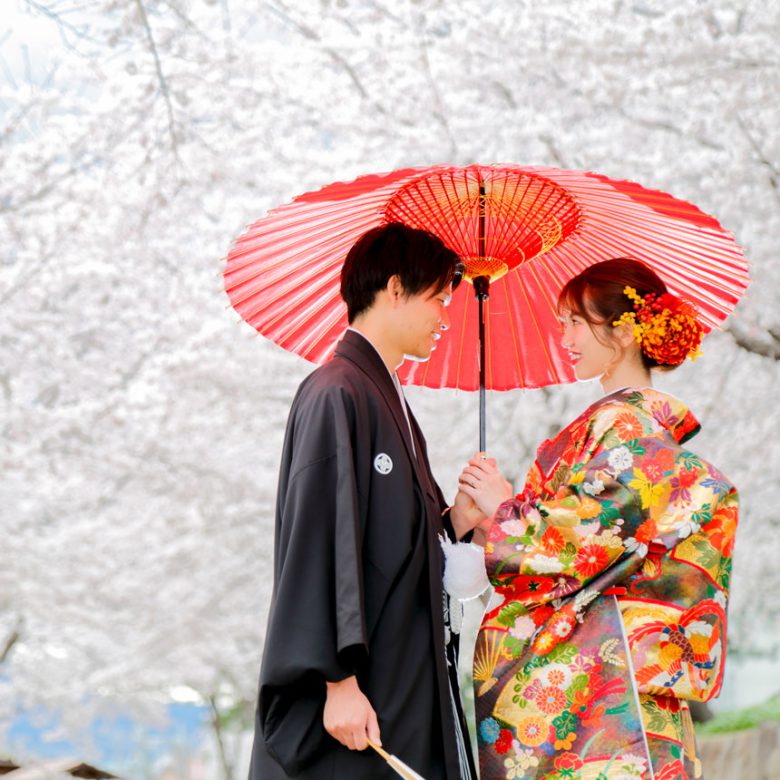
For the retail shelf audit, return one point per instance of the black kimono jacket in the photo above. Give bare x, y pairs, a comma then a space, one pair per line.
357, 584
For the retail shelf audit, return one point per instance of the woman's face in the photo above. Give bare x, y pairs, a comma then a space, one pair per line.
590, 356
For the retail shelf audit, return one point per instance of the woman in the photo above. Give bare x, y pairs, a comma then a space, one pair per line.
611, 568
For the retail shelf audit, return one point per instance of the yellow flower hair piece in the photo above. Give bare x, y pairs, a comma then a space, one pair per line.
666, 327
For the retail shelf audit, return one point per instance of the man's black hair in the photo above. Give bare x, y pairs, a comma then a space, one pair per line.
420, 259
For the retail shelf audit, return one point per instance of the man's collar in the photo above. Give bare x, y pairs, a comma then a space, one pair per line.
360, 333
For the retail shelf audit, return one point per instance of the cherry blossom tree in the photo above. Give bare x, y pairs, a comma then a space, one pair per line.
142, 423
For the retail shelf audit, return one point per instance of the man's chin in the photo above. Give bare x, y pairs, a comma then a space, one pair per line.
419, 358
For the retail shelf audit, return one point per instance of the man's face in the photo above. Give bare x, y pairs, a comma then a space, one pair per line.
422, 318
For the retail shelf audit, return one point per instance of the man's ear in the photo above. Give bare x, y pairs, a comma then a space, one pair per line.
395, 289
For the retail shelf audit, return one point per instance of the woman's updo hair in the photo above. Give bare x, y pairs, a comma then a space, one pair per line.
598, 294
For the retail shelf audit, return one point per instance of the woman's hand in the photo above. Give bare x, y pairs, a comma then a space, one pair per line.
483, 483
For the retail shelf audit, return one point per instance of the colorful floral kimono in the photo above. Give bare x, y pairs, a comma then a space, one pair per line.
611, 573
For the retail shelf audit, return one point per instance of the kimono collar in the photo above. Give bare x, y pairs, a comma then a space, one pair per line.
669, 412
355, 330
356, 348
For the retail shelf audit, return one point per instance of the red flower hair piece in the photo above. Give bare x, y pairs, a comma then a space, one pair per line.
666, 327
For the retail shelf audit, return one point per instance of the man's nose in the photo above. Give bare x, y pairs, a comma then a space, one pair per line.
445, 320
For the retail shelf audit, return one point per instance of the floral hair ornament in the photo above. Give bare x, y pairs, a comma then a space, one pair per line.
665, 327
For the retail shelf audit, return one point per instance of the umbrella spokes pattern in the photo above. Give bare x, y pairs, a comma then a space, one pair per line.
526, 229
522, 215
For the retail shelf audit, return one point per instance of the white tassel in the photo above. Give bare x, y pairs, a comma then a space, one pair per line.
465, 577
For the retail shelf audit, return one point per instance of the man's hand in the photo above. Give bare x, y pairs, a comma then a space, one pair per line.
465, 515
349, 716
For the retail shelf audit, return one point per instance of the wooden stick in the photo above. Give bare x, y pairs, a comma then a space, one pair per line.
382, 752
396, 764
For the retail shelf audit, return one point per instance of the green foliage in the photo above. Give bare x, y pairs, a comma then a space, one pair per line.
562, 654
636, 399
657, 720
635, 448
611, 439
689, 460
724, 574
526, 539
567, 554
609, 514
564, 724
510, 613
579, 683
515, 646
708, 555
237, 717
741, 720
703, 515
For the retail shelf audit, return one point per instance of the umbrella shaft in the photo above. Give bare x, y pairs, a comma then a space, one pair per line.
481, 287
482, 442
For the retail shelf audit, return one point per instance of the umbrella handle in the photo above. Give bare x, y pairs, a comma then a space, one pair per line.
481, 291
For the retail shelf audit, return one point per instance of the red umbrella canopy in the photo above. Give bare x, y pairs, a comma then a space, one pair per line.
529, 229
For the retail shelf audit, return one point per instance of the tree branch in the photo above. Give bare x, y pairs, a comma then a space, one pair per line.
160, 75
63, 26
774, 173
227, 23
439, 114
309, 33
216, 723
9, 643
751, 338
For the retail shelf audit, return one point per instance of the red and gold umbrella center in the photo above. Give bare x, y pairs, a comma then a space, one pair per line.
494, 219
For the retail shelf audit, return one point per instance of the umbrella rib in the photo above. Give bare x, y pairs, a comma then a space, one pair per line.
504, 232
462, 340
536, 325
346, 238
513, 330
465, 239
629, 247
449, 231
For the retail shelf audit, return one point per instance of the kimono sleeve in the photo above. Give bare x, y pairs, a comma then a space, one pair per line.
695, 614
316, 629
545, 549
546, 546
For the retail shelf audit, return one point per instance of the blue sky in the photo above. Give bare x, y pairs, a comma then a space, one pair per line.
124, 745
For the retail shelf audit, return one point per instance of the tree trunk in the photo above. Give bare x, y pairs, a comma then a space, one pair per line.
227, 769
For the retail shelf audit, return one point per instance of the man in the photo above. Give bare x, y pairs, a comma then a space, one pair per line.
356, 647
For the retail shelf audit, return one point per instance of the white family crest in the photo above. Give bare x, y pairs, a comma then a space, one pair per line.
383, 463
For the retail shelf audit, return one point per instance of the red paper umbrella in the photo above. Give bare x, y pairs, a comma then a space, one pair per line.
522, 232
